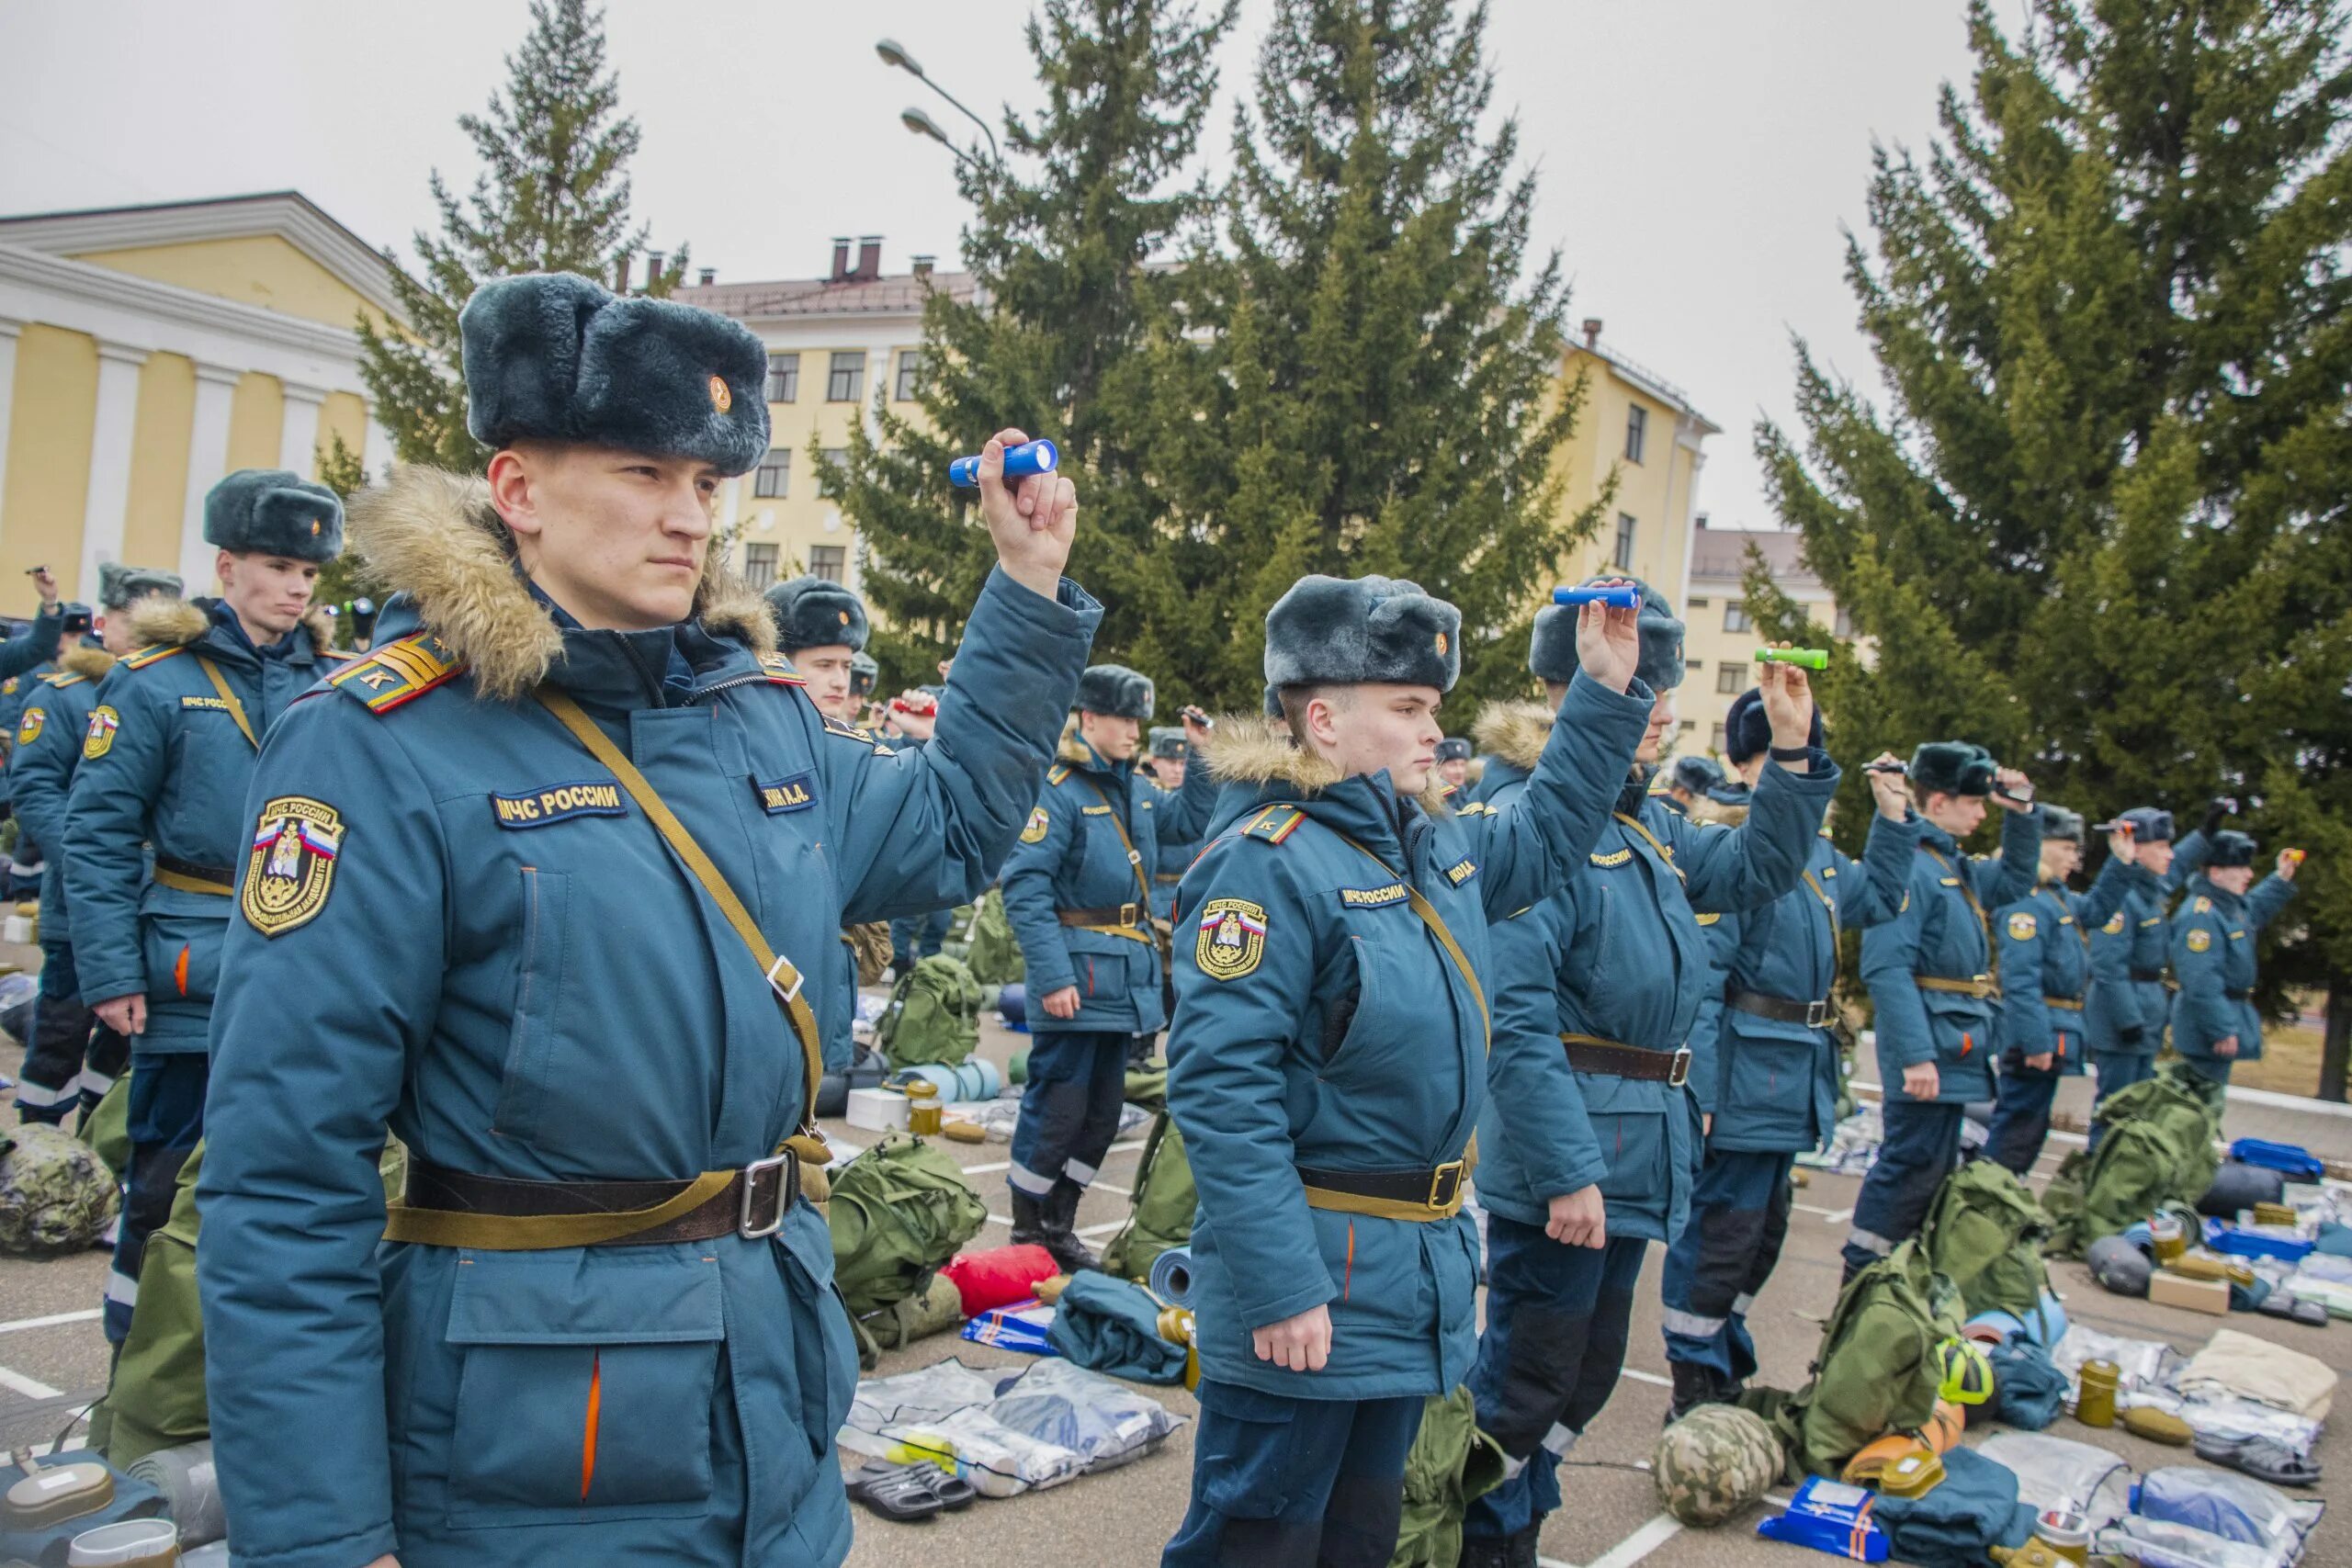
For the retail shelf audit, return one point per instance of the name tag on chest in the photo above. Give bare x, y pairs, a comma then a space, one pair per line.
1374, 898
214, 703
558, 803
793, 794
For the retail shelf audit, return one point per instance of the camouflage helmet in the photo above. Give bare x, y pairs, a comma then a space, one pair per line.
56, 1195
1714, 1463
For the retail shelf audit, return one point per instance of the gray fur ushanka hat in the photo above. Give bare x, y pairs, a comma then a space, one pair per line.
1331, 631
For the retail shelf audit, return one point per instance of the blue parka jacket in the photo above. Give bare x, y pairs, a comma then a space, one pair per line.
1319, 1023
1177, 851
1941, 934
1071, 856
1774, 1088
166, 766
49, 728
2128, 957
1617, 954
500, 959
2044, 944
2214, 957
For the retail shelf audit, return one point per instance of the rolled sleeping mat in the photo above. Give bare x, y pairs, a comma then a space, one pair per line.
2238, 1185
1016, 1068
1012, 1005
1171, 1276
969, 1080
191, 1490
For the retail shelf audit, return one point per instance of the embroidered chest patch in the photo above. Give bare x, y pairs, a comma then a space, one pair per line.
215, 703
786, 794
2021, 926
1373, 898
1232, 937
2198, 941
558, 803
1614, 857
1458, 875
291, 868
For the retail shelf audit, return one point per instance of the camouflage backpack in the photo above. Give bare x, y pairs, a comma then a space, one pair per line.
1983, 1232
1164, 1201
1878, 1370
56, 1195
2155, 1147
995, 954
933, 1017
1714, 1463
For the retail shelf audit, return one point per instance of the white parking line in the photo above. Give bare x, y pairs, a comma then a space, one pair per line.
53, 1320
1829, 1216
993, 1167
1639, 1376
32, 1388
1640, 1544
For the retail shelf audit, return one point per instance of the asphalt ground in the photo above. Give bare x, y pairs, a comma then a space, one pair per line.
50, 1350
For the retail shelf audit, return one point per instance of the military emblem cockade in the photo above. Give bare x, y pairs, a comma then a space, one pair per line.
99, 741
292, 869
1232, 937
2021, 926
2198, 941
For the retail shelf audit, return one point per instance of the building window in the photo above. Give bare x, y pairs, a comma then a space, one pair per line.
909, 367
1690, 724
845, 382
1695, 604
784, 378
828, 561
1623, 557
759, 565
774, 480
1735, 615
1715, 741
833, 461
1845, 621
1731, 679
1637, 429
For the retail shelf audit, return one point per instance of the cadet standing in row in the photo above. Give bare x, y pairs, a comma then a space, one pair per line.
2043, 941
1167, 767
64, 1063
1930, 976
1453, 767
2123, 1023
1593, 1131
166, 759
2215, 1024
1329, 1056
1768, 1021
1078, 891
518, 891
1686, 784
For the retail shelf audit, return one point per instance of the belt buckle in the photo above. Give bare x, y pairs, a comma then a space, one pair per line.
747, 1222
1816, 1015
1127, 914
1682, 1072
1445, 1184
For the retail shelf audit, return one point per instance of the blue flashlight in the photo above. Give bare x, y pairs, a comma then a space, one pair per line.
1020, 463
1622, 598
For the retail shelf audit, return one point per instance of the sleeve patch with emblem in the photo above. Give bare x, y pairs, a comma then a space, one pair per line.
2202, 904
2199, 939
2021, 926
99, 739
1036, 832
1232, 937
2114, 926
29, 727
291, 870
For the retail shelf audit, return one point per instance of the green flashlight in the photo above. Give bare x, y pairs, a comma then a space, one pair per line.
1811, 658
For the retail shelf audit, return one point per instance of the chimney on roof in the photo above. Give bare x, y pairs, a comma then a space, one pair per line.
1702, 520
707, 277
840, 261
922, 266
869, 258
1592, 334
621, 264
653, 260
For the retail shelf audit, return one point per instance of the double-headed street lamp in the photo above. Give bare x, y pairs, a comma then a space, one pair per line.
895, 53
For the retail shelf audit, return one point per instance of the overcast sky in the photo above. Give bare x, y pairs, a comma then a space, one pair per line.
1696, 157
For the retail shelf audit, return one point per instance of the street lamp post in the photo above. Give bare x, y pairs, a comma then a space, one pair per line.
895, 53
921, 124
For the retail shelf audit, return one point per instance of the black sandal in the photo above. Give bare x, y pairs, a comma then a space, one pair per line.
2264, 1459
954, 1493
895, 1492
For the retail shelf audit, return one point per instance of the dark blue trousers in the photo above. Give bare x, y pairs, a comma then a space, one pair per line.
2021, 1115
167, 1119
917, 936
2116, 1069
1283, 1482
1739, 1218
1069, 1113
50, 1083
1557, 1320
1922, 1144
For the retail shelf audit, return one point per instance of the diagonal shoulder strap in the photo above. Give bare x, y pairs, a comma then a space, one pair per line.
1664, 853
783, 978
1436, 923
1135, 861
1975, 906
236, 708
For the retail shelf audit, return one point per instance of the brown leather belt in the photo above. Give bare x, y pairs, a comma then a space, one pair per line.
496, 1213
2069, 1004
1613, 1058
1780, 1010
1984, 988
1123, 920
2148, 976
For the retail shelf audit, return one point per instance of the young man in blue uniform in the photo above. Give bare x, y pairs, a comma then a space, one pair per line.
156, 827
1077, 892
1931, 975
1768, 1020
1329, 1056
64, 1064
1453, 766
1169, 765
533, 885
1591, 1134
2043, 941
2215, 1024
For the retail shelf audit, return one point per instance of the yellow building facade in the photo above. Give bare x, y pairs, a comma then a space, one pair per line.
147, 351
1720, 642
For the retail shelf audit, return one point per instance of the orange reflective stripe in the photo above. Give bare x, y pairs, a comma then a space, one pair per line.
595, 1410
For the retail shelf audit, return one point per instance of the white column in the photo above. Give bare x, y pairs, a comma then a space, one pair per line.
375, 455
298, 438
9, 328
208, 465
111, 439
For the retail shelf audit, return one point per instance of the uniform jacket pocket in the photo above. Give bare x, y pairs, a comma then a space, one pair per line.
539, 983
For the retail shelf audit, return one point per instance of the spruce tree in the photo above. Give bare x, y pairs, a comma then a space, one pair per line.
2098, 520
1061, 242
553, 196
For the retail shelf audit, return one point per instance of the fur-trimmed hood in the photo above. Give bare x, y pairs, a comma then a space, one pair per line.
433, 536
92, 663
160, 620
1242, 751
1516, 732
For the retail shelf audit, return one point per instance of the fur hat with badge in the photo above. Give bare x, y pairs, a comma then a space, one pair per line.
553, 357
816, 612
2058, 823
1332, 631
2229, 847
119, 586
1167, 742
1551, 651
1952, 767
1748, 729
1114, 691
273, 511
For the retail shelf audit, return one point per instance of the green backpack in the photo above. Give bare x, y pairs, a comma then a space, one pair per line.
1164, 1200
899, 1211
2157, 1148
933, 1015
1983, 1232
1878, 1370
995, 956
1450, 1463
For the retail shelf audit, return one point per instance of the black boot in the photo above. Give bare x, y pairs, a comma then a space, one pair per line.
1030, 1226
1062, 1237
1485, 1551
1695, 1385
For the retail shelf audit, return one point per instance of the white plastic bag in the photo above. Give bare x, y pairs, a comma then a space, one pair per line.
2233, 1507
1104, 1421
2157, 1543
929, 1393
2143, 1363
2058, 1473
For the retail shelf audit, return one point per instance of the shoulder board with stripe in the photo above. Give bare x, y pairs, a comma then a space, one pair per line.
1057, 773
779, 668
155, 655
1476, 809
846, 731
398, 672
1274, 824
60, 678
